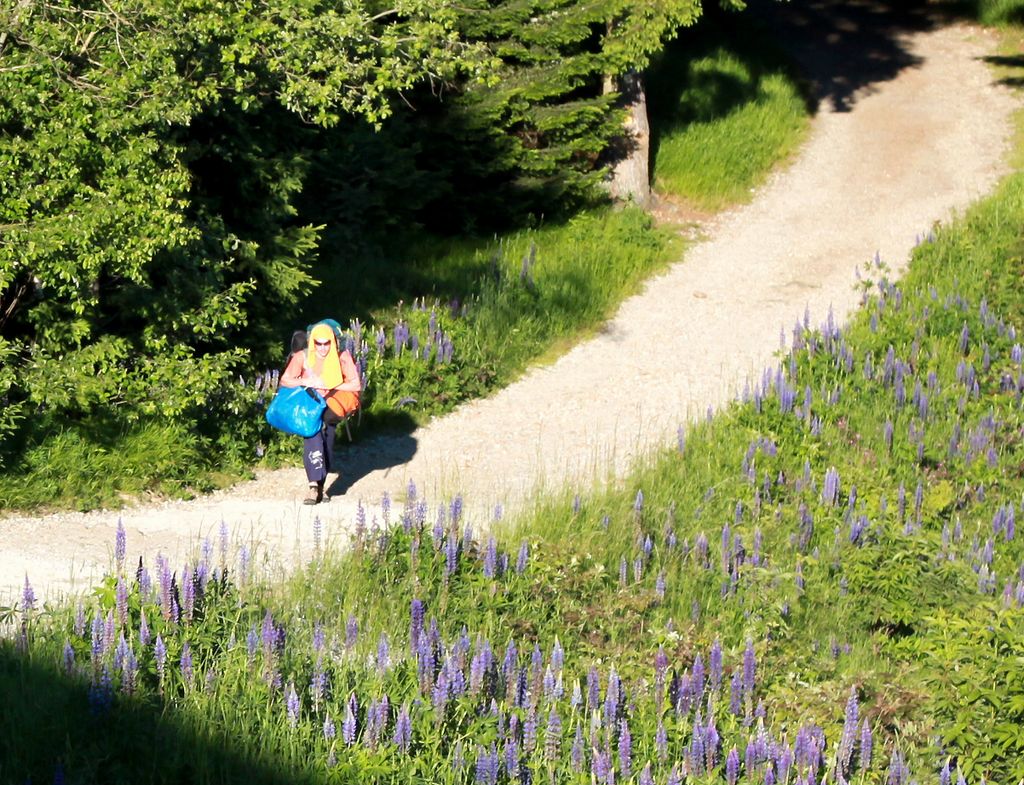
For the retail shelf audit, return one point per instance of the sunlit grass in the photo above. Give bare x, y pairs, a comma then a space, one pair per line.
722, 119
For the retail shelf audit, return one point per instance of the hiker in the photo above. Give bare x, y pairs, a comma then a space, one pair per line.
332, 372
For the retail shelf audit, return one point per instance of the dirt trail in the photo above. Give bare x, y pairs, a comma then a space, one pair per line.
910, 128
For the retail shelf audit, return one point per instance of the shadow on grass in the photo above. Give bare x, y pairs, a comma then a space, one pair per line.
48, 733
1009, 62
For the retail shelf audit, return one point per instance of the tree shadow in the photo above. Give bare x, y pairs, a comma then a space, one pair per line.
1008, 62
391, 445
844, 48
50, 731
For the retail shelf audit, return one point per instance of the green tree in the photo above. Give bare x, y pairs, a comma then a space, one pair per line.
569, 107
151, 154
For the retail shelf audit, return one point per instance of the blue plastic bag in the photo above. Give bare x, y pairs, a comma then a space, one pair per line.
296, 410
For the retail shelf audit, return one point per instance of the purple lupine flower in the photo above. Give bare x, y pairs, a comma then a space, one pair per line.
638, 503
403, 729
243, 565
451, 553
576, 697
898, 773
577, 752
120, 542
623, 571
698, 677
945, 776
593, 688
700, 549
553, 735
522, 558
557, 655
736, 693
69, 658
383, 653
601, 765
144, 634
849, 735
97, 637
441, 691
292, 705
530, 731
318, 684
695, 753
548, 683
120, 652
164, 576
79, 623
715, 664
625, 749
351, 631
660, 664
121, 601
749, 668
101, 691
491, 558
348, 725
866, 744
486, 766
477, 667
611, 698
661, 741
28, 598
830, 489
109, 629
711, 741
659, 585
732, 766
416, 611
329, 730
160, 652
187, 672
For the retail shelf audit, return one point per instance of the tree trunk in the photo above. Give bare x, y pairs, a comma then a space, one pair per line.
629, 177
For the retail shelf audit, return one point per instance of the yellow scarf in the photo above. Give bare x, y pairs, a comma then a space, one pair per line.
328, 369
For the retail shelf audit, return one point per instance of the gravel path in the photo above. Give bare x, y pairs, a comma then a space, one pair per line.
910, 128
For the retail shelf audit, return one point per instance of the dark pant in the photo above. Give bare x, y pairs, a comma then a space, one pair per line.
318, 449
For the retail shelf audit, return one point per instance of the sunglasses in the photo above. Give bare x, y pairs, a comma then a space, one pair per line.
322, 343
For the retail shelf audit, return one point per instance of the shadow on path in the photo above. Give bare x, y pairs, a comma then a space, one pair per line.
843, 48
383, 451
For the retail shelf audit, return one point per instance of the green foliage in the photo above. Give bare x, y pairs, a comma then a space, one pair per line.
130, 269
972, 665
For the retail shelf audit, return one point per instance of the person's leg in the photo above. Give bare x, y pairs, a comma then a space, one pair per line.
329, 430
315, 460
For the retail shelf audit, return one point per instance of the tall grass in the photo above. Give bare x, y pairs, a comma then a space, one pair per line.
99, 464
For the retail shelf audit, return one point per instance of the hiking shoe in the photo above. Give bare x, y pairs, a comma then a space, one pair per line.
316, 493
